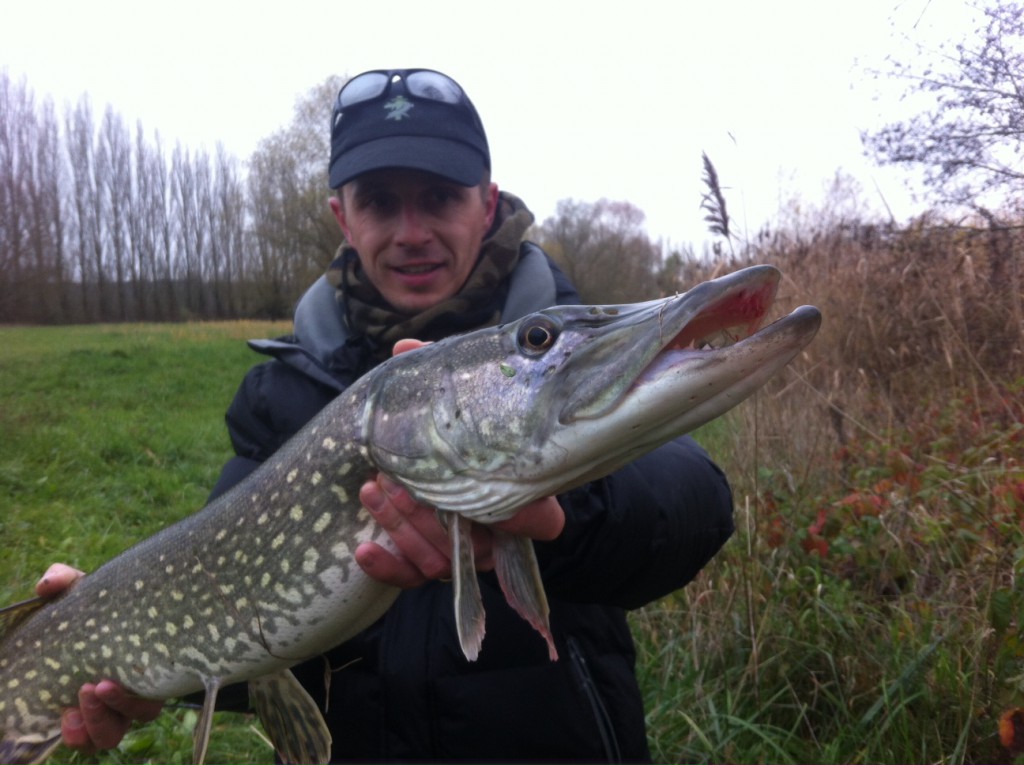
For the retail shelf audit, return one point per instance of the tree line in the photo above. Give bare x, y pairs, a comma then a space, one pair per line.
101, 221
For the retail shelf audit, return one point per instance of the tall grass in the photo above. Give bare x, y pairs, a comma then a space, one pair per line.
869, 608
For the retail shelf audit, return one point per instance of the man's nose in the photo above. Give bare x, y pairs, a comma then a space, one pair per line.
412, 227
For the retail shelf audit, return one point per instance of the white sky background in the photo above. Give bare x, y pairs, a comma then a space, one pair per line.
583, 99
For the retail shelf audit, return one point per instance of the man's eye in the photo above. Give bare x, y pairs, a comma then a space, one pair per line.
378, 203
443, 196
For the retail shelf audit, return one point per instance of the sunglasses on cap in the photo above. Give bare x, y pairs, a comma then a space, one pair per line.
421, 83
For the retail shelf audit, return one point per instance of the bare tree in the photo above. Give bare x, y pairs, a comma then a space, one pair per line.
85, 222
162, 204
31, 233
145, 228
188, 229
970, 141
114, 177
603, 248
50, 287
207, 264
288, 194
16, 105
226, 220
272, 254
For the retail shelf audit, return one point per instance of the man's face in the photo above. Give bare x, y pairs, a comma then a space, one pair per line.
417, 234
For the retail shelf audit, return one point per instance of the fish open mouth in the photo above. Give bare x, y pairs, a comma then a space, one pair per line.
725, 319
736, 315
650, 344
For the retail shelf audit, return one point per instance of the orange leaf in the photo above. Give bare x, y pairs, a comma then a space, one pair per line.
1011, 731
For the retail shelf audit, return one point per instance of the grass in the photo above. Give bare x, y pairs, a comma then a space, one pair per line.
111, 432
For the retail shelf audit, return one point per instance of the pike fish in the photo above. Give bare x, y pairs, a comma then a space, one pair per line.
476, 425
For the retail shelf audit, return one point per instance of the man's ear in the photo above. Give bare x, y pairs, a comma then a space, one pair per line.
491, 203
339, 214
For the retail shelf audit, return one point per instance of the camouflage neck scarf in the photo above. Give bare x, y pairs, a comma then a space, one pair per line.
477, 304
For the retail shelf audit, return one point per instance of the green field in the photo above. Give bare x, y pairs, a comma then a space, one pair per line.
866, 610
111, 432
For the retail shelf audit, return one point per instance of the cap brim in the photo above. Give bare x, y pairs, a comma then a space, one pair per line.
453, 160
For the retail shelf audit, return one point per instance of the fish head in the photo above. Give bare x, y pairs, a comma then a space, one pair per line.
485, 422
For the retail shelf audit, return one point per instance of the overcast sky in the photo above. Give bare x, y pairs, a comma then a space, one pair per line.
584, 99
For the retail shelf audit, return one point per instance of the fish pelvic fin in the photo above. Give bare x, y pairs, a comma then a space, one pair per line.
291, 719
201, 735
469, 605
515, 563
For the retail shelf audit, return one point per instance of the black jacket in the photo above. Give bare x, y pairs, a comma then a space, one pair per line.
402, 690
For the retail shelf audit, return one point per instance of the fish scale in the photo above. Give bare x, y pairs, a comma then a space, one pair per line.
476, 425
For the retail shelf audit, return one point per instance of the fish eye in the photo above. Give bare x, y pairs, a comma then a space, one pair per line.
537, 335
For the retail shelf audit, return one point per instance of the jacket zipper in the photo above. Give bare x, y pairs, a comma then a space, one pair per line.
604, 724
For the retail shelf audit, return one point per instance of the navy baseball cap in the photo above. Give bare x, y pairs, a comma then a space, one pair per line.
410, 118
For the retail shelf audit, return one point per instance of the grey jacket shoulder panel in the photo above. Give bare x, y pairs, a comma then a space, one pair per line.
532, 286
319, 324
320, 320
320, 328
295, 355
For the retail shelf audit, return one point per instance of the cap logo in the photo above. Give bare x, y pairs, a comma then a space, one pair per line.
398, 108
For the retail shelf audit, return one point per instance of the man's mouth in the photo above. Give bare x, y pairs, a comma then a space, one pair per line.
417, 269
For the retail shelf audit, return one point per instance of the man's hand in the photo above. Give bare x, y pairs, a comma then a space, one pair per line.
105, 711
104, 714
424, 551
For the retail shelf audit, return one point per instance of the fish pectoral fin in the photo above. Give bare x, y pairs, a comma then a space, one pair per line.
29, 749
201, 735
469, 606
291, 719
515, 562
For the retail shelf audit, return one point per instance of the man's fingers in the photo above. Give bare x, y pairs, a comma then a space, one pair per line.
412, 527
543, 520
96, 725
74, 732
423, 547
58, 577
119, 700
387, 567
104, 713
408, 344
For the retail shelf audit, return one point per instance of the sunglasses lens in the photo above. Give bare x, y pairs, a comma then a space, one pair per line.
362, 88
422, 83
434, 86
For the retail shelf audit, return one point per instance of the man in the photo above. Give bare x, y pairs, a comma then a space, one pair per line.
432, 248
